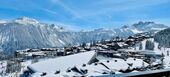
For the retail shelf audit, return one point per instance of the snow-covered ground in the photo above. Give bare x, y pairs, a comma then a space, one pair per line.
166, 60
3, 65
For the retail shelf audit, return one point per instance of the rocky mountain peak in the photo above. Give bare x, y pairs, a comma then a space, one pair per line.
26, 20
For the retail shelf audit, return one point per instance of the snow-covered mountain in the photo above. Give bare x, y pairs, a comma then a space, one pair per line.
139, 27
25, 33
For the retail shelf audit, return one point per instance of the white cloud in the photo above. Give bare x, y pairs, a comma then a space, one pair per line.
100, 7
66, 7
50, 11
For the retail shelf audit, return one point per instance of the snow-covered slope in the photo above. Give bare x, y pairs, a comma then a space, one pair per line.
25, 33
28, 33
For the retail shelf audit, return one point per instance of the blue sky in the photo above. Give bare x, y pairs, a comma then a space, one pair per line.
88, 14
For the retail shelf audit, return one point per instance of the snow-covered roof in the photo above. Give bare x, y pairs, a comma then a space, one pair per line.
116, 64
136, 73
94, 69
62, 63
136, 62
128, 50
148, 52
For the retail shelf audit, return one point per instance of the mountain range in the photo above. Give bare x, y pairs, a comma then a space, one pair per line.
25, 32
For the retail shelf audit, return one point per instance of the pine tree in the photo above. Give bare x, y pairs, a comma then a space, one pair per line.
140, 46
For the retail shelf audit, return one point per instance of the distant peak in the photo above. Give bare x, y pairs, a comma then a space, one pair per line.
144, 23
101, 29
125, 26
23, 17
26, 20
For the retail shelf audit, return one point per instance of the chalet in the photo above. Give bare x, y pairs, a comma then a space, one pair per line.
149, 53
62, 63
151, 73
111, 54
109, 67
130, 51
49, 49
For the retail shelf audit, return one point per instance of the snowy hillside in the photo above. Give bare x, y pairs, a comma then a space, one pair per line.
25, 33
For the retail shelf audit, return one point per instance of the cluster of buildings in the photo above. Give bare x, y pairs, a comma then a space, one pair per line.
93, 63
103, 45
105, 57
